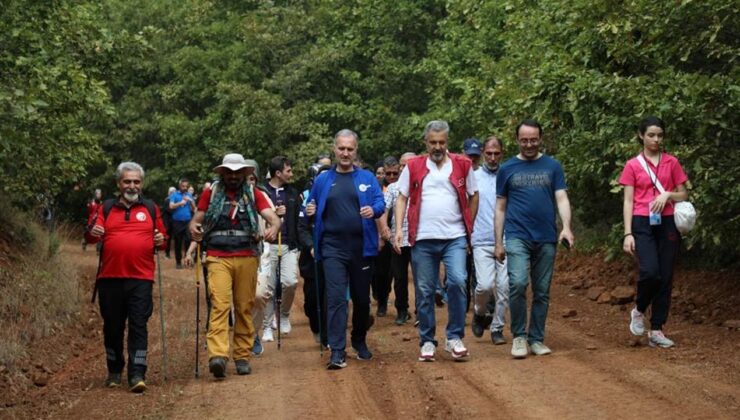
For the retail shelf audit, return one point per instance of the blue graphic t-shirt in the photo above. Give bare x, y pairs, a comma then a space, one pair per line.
529, 187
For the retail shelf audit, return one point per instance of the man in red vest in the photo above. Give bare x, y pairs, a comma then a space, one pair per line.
442, 199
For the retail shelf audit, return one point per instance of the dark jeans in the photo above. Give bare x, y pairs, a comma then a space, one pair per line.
314, 303
182, 238
121, 300
400, 270
657, 249
382, 275
341, 271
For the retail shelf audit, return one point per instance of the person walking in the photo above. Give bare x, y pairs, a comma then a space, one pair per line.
400, 259
650, 232
167, 218
343, 203
383, 275
227, 222
442, 196
287, 201
130, 232
182, 205
529, 187
491, 275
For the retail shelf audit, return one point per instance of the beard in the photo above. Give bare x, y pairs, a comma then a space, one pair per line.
437, 156
131, 196
492, 166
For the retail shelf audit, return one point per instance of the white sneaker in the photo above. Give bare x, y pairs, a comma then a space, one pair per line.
274, 323
656, 338
285, 326
427, 352
539, 349
267, 335
637, 322
456, 348
519, 348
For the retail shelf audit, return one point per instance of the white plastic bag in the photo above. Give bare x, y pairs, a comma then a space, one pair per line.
684, 215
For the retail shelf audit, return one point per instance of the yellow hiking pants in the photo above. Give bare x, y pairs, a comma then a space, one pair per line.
231, 279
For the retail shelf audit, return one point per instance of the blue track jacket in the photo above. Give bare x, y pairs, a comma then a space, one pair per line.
369, 194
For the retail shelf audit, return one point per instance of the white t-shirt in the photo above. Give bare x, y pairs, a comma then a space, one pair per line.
439, 215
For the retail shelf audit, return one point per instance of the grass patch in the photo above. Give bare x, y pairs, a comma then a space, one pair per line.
38, 287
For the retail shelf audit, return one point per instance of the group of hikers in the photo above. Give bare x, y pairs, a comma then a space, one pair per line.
353, 233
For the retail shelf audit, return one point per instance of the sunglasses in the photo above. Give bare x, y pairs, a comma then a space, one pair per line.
391, 173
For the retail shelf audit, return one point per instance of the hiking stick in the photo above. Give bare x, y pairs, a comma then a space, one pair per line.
278, 287
161, 317
197, 311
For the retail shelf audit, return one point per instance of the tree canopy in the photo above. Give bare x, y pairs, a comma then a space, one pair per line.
174, 85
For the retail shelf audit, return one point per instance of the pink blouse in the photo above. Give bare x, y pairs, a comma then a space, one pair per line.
669, 172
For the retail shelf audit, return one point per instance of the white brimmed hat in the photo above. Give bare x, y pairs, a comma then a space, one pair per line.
234, 162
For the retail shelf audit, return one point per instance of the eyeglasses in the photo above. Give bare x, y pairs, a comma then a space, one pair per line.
392, 173
527, 142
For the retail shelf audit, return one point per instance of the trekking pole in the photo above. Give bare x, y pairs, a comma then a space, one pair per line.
161, 317
278, 288
197, 311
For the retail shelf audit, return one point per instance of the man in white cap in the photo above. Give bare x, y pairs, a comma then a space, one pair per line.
227, 221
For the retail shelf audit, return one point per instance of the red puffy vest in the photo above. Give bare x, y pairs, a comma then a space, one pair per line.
418, 170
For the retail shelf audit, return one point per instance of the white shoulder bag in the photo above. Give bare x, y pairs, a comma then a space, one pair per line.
684, 214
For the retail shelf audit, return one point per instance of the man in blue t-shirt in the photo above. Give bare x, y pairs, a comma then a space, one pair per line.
182, 205
528, 187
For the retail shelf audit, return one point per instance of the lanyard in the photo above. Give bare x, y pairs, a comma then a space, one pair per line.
653, 176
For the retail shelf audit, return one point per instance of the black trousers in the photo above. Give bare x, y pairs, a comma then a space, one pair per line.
121, 300
382, 277
182, 238
400, 269
314, 303
342, 272
656, 248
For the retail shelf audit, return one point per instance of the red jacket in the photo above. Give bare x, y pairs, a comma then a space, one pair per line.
128, 241
418, 171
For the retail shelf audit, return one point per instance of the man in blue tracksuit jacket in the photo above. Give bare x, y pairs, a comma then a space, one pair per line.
344, 201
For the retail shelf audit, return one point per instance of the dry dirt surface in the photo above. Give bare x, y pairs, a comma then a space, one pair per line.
597, 370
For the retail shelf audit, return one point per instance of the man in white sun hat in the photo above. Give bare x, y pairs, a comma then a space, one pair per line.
227, 222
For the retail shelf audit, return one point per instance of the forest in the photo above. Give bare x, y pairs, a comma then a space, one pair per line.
175, 84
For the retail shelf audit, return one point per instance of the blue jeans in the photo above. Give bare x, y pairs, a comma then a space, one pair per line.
527, 258
425, 258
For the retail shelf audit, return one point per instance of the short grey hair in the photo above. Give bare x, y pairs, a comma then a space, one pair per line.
346, 132
408, 155
437, 126
128, 167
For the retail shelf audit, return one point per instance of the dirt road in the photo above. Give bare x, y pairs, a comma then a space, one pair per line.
595, 371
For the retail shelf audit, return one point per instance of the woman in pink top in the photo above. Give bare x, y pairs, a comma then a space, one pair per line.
650, 233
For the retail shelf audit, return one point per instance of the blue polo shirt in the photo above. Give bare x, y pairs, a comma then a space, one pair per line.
184, 213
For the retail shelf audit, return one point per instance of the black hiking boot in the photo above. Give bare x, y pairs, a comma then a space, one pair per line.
242, 367
477, 325
136, 383
402, 317
217, 366
113, 380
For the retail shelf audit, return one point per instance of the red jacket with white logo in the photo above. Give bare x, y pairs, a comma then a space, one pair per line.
418, 171
128, 241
